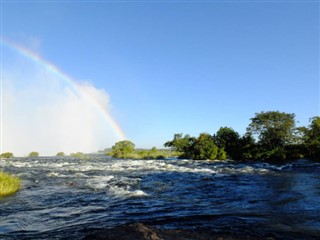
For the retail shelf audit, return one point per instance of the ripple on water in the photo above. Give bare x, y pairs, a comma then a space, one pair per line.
65, 194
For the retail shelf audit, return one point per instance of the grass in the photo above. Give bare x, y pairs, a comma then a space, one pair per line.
8, 184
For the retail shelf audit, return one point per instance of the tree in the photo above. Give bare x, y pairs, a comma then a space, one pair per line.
60, 154
274, 130
249, 149
205, 148
311, 138
221, 155
182, 144
33, 154
179, 143
122, 149
6, 155
229, 140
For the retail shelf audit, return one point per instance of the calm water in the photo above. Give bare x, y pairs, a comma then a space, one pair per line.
65, 198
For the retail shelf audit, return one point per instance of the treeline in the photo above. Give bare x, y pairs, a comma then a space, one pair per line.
271, 135
126, 149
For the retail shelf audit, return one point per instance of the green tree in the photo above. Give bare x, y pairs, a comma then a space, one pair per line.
221, 155
182, 144
249, 149
274, 130
311, 138
33, 154
6, 155
77, 154
122, 149
60, 154
230, 141
205, 148
179, 143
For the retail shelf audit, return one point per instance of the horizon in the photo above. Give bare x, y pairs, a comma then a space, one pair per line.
154, 68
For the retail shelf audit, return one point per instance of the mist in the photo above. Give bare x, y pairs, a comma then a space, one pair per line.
43, 112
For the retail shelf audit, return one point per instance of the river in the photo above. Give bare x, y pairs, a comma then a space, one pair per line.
65, 198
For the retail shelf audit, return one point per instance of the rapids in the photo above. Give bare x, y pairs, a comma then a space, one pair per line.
65, 198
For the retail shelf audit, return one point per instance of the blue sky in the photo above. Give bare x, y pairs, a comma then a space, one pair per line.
171, 67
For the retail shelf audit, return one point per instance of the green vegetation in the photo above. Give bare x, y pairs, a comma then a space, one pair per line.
33, 154
60, 154
199, 148
125, 149
270, 135
122, 149
80, 155
6, 155
8, 184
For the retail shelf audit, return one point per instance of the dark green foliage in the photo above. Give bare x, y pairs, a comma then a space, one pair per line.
122, 149
311, 138
271, 135
200, 148
204, 148
6, 155
249, 149
222, 155
183, 145
125, 149
274, 130
230, 141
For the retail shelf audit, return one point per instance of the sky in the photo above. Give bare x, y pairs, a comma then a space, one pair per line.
163, 67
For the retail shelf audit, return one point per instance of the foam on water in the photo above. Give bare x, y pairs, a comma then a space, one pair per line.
99, 182
60, 194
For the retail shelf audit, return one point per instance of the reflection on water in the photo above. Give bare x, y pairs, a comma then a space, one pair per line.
61, 197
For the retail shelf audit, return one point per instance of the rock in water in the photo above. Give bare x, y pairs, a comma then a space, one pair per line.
139, 231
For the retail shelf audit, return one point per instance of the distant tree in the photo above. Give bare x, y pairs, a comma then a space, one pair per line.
33, 154
230, 141
152, 153
77, 155
182, 144
274, 130
6, 155
311, 138
60, 154
179, 143
205, 148
122, 149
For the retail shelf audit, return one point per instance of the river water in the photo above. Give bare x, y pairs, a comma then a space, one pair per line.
66, 198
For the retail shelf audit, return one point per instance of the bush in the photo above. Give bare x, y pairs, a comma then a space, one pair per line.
8, 184
60, 154
33, 154
6, 155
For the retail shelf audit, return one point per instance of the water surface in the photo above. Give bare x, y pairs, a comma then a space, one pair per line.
67, 197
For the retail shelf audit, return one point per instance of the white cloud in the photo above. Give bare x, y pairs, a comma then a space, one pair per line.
42, 112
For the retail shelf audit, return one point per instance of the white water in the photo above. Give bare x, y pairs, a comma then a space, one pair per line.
60, 196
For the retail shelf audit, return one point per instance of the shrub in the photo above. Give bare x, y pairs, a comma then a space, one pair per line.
8, 184
6, 155
33, 154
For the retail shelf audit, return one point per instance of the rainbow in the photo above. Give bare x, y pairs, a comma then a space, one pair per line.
69, 81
